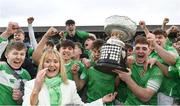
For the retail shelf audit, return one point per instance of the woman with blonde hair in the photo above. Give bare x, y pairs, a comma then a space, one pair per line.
51, 86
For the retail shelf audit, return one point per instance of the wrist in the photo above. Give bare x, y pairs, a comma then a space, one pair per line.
35, 91
5, 35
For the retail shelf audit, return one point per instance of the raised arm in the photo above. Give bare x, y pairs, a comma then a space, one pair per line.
32, 38
165, 21
10, 30
142, 24
40, 47
167, 56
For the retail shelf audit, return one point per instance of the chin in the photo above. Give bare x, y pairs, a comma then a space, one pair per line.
50, 76
140, 61
16, 67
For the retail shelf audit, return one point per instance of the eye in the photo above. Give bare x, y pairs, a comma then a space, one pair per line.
137, 48
144, 48
47, 61
70, 48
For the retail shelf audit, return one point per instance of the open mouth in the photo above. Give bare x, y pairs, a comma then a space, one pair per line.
86, 44
140, 56
51, 69
16, 62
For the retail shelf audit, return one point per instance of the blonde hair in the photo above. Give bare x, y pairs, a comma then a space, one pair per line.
62, 70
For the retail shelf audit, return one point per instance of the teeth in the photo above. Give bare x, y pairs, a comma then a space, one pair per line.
51, 69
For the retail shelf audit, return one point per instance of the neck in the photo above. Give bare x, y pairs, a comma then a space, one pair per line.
71, 33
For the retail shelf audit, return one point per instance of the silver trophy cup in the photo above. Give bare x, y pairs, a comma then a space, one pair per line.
113, 52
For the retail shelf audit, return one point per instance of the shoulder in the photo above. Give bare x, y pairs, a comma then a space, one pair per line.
30, 83
82, 33
2, 63
70, 85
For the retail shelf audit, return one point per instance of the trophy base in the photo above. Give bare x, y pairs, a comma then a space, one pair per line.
107, 68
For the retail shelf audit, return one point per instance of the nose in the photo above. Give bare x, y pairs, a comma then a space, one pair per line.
18, 56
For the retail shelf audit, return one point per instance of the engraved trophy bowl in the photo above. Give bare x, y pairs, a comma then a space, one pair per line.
113, 52
122, 23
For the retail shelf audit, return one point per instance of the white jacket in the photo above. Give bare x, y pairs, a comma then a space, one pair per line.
69, 95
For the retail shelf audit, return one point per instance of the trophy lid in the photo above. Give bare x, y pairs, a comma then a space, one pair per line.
125, 25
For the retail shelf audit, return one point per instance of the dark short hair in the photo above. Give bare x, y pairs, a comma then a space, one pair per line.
178, 39
159, 31
15, 45
70, 22
128, 46
91, 38
65, 43
141, 40
19, 31
97, 44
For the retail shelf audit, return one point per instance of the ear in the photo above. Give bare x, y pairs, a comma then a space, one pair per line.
174, 45
6, 55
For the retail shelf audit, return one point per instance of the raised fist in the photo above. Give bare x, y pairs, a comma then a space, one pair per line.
12, 28
142, 24
166, 20
30, 20
51, 31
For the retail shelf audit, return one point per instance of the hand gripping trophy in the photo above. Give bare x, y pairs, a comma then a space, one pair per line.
113, 52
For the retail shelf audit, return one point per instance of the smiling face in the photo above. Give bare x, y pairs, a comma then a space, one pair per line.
141, 53
67, 53
15, 58
52, 62
160, 40
19, 37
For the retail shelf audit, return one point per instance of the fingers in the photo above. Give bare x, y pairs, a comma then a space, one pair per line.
75, 68
30, 20
166, 20
17, 94
13, 25
112, 95
52, 31
61, 33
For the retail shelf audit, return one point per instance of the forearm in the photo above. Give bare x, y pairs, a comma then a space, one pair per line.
146, 31
5, 35
163, 27
138, 91
39, 49
32, 36
165, 55
79, 82
34, 97
163, 68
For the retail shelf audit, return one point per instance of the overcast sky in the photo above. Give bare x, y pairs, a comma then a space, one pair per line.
87, 12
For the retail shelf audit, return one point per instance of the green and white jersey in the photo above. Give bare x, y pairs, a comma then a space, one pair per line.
69, 65
98, 84
172, 86
8, 82
151, 78
168, 82
167, 47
